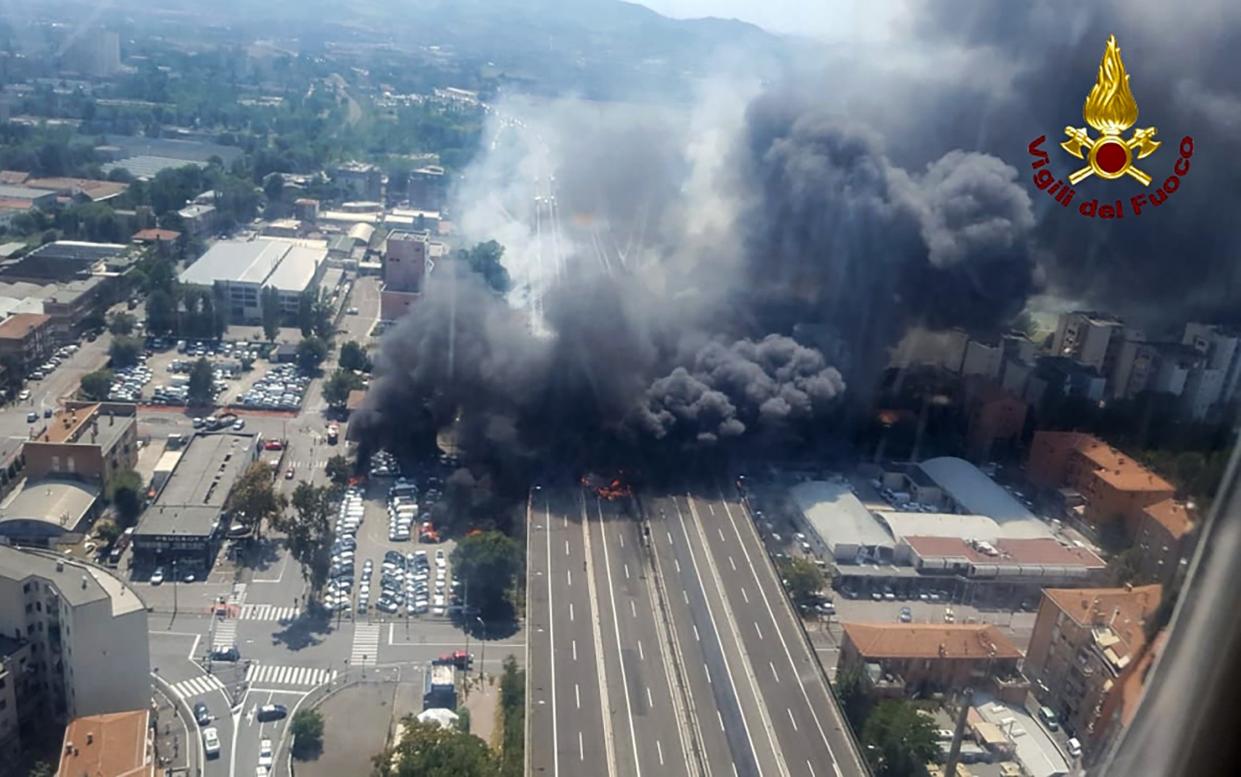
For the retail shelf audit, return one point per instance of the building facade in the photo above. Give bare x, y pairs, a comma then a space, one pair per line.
1112, 485
26, 340
88, 441
87, 635
1083, 640
361, 180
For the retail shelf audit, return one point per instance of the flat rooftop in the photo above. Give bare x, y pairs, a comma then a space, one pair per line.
193, 498
76, 581
58, 504
115, 744
281, 264
88, 425
911, 524
1043, 553
838, 516
978, 494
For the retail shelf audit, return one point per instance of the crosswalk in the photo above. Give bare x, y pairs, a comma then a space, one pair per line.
225, 635
271, 674
267, 612
365, 644
197, 686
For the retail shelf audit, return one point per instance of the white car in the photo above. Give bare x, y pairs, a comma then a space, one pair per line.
211, 741
265, 754
24, 395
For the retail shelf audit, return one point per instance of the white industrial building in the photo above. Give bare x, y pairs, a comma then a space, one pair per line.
239, 270
841, 523
87, 628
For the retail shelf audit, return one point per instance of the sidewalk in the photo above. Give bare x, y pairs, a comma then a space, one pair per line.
176, 744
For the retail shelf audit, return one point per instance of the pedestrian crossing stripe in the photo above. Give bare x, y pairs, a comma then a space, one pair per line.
197, 686
225, 635
271, 674
365, 645
267, 612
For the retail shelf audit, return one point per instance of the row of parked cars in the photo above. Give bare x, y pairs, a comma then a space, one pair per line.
127, 382
402, 510
410, 581
283, 388
344, 549
53, 361
383, 464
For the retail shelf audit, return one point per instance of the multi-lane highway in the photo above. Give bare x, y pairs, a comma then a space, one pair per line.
661, 643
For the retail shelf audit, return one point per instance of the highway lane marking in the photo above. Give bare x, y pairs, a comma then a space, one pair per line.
568, 574
551, 648
792, 719
581, 751
677, 564
787, 653
621, 537
745, 596
758, 630
607, 567
685, 595
650, 702
575, 650
669, 537
626, 571
696, 637
720, 715
732, 563
707, 669
566, 546
810, 766
577, 695
570, 610
734, 769
641, 655
773, 671
659, 749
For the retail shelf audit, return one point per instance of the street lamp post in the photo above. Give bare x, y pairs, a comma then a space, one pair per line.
174, 587
482, 660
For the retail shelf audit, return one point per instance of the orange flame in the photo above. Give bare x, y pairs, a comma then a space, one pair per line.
1110, 107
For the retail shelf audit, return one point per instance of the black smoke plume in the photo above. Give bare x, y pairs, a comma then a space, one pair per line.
710, 263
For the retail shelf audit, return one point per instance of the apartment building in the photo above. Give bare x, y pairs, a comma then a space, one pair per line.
91, 442
26, 340
1112, 485
899, 659
85, 632
1083, 641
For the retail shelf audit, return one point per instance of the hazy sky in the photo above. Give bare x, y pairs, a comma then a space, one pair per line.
825, 19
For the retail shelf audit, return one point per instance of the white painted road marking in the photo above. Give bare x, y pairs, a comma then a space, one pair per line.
196, 686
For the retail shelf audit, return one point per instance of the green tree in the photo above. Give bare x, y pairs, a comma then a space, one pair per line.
96, 385
803, 578
338, 470
485, 259
122, 323
125, 491
107, 531
513, 720
353, 357
311, 352
854, 700
307, 730
488, 563
306, 312
899, 741
42, 769
254, 498
124, 351
201, 387
337, 387
270, 308
308, 532
1124, 566
427, 750
273, 187
161, 312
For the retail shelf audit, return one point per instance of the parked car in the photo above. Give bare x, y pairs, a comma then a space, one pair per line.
31, 417
157, 576
265, 753
1049, 718
907, 615
202, 714
1074, 746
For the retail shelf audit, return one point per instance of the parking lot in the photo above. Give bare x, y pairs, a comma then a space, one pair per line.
386, 564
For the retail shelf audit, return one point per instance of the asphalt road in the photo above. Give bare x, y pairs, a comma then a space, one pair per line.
809, 728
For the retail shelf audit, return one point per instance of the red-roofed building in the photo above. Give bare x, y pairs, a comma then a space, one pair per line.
118, 744
1112, 484
162, 239
1011, 569
1122, 701
1163, 533
1083, 641
908, 658
25, 339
